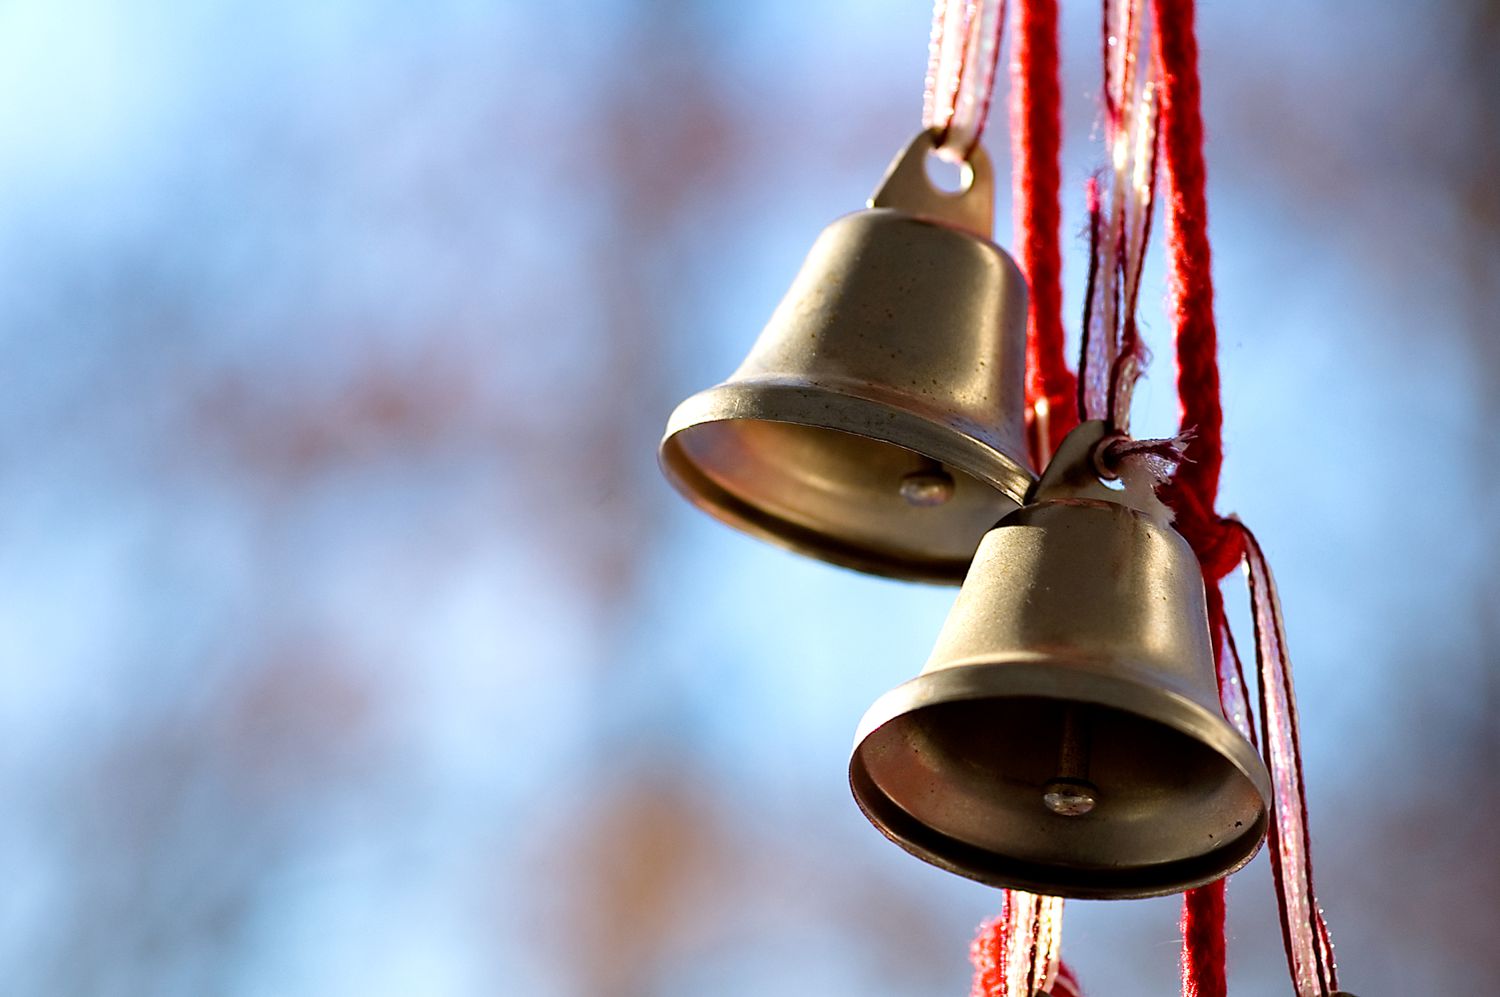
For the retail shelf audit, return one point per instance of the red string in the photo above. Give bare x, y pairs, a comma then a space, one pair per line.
1204, 954
1219, 546
1222, 543
1192, 491
1036, 140
1203, 936
987, 953
1066, 984
1191, 282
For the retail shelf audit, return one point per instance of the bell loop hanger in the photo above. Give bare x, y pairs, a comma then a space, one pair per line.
908, 188
1078, 471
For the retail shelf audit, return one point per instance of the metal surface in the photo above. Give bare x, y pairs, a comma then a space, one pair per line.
1074, 605
895, 361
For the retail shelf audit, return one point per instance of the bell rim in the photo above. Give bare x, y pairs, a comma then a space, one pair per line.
984, 866
804, 403
1054, 681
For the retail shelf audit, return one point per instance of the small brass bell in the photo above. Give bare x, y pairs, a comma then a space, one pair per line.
878, 422
1066, 736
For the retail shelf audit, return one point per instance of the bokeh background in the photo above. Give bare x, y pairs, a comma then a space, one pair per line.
351, 644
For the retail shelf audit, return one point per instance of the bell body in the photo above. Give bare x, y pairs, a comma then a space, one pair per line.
877, 422
1066, 736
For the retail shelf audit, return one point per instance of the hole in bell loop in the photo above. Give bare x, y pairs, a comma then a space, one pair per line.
948, 174
1106, 461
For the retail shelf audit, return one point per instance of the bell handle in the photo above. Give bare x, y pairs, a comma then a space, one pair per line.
1072, 472
1075, 472
907, 187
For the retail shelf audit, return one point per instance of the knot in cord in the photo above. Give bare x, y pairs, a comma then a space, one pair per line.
1218, 541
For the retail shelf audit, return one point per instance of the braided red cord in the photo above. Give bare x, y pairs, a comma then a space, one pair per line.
1066, 984
987, 953
1192, 491
1204, 953
1192, 289
990, 953
1036, 141
1203, 935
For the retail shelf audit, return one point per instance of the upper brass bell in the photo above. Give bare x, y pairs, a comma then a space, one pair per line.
878, 422
1066, 736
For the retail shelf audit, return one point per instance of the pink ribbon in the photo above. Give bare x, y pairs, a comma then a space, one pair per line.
962, 56
1119, 220
1309, 949
1018, 953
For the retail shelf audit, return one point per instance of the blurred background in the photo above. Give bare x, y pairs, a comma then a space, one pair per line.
351, 643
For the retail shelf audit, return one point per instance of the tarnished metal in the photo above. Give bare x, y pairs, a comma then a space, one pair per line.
878, 422
1076, 662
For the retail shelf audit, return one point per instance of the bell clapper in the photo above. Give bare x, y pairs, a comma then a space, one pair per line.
928, 486
1069, 793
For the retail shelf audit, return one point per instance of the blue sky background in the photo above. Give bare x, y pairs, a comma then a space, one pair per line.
350, 643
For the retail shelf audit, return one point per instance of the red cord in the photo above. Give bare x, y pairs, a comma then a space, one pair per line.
1204, 953
1203, 942
1036, 143
1193, 489
1066, 984
988, 954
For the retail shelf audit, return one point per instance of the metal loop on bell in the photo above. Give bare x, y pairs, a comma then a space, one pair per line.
878, 422
908, 187
1066, 737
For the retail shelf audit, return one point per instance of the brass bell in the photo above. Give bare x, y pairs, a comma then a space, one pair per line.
878, 422
1066, 736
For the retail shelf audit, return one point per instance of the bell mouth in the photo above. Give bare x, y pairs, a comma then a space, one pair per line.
821, 472
968, 779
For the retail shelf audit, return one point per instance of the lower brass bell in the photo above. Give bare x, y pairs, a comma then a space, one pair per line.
878, 422
1066, 736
